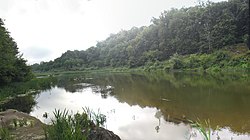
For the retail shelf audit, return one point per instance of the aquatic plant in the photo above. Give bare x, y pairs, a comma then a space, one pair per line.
73, 127
204, 129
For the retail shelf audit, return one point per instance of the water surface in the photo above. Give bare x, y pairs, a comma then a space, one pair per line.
155, 106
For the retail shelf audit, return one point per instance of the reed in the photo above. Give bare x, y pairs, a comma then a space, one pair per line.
204, 129
73, 127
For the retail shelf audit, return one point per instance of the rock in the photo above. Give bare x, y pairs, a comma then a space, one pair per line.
22, 126
100, 133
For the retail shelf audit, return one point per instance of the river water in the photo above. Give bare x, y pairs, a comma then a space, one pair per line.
155, 106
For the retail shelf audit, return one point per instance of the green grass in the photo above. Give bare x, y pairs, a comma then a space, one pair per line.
5, 134
73, 127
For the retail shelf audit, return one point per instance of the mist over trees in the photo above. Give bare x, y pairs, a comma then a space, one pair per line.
202, 29
13, 67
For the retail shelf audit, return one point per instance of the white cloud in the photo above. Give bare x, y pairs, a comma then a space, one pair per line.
36, 53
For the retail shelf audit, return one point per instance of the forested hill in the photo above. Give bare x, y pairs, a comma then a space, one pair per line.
199, 30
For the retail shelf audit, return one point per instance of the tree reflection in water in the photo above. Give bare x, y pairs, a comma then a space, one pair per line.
158, 115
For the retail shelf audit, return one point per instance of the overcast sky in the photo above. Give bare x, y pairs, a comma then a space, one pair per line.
44, 29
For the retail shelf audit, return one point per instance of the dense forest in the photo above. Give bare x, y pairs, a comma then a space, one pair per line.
189, 37
13, 67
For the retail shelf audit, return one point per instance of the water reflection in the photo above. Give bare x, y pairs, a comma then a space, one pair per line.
156, 106
137, 104
129, 122
158, 115
224, 100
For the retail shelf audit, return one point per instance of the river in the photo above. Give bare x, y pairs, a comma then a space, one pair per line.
155, 106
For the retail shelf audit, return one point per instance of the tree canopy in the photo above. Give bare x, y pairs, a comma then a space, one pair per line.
201, 29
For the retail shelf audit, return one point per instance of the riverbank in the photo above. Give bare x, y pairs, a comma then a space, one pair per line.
235, 58
229, 60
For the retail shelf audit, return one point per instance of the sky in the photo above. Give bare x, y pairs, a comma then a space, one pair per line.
44, 29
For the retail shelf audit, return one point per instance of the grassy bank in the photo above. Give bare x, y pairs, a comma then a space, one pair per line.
226, 60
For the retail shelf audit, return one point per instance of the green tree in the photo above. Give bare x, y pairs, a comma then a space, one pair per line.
13, 67
202, 29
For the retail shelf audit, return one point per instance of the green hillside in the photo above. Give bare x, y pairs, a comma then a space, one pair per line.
207, 36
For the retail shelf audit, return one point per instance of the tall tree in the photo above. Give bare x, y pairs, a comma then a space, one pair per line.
13, 67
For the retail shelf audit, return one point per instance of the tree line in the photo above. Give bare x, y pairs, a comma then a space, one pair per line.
201, 29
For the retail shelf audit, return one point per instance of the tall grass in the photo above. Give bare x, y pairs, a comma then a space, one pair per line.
5, 134
73, 127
